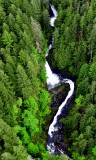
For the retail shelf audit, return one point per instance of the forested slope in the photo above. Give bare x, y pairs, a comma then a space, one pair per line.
75, 53
24, 101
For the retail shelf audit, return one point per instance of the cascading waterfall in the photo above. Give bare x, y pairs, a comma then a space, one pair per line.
52, 19
54, 80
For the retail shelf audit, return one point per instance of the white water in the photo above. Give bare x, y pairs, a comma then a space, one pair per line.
52, 81
52, 127
52, 19
50, 46
52, 78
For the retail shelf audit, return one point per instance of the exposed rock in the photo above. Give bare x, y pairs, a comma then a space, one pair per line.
58, 96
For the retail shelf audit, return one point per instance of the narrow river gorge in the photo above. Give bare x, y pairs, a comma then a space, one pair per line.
54, 80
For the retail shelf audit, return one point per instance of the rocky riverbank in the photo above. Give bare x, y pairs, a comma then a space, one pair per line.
58, 95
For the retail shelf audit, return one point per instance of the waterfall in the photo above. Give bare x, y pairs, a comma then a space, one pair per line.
52, 19
53, 80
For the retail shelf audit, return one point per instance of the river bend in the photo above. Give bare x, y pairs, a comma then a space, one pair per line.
54, 80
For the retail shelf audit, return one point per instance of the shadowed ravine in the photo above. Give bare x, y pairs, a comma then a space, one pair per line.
54, 80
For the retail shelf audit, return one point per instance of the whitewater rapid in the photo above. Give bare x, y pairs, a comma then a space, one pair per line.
54, 80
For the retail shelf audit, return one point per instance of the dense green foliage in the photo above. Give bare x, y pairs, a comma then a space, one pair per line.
75, 52
24, 101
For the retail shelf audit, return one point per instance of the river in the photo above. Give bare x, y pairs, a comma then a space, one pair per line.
53, 80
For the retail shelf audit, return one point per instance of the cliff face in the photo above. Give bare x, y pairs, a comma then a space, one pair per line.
58, 95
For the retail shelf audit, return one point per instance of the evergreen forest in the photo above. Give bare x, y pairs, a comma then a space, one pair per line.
75, 53
25, 101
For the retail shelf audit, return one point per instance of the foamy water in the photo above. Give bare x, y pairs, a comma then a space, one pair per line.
52, 81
